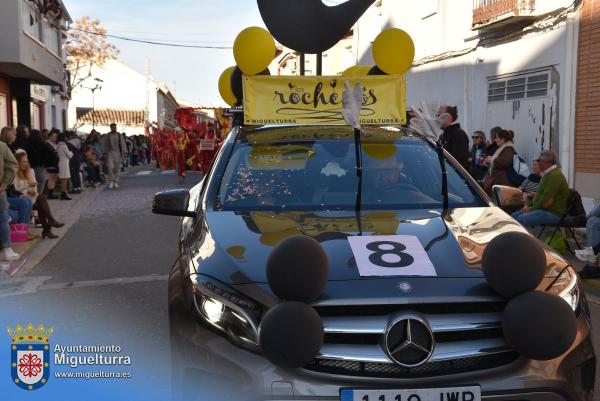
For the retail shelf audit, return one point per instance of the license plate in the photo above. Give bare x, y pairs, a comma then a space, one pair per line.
431, 394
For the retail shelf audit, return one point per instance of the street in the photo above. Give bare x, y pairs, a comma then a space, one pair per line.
103, 284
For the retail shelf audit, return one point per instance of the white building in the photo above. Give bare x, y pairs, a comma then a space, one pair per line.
118, 93
508, 63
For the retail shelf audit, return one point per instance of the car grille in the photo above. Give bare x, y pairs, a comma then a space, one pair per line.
389, 370
467, 336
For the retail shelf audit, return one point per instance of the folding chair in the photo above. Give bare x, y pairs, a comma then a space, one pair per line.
573, 217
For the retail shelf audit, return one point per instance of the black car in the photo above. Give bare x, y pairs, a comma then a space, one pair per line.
271, 183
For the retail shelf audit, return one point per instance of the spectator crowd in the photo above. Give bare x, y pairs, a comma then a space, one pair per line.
547, 199
38, 165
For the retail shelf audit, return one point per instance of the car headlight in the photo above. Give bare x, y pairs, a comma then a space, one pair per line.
227, 311
566, 286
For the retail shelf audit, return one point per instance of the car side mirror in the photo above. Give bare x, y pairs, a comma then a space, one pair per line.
173, 203
508, 198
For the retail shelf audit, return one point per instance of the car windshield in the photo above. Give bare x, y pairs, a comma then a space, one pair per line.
306, 168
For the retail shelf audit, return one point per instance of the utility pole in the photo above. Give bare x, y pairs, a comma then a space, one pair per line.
98, 86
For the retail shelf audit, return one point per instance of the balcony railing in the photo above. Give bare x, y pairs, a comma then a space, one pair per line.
487, 12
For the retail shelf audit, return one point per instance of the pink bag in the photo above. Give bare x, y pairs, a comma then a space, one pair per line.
18, 232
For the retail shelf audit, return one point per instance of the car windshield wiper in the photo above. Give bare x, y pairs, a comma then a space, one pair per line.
359, 175
440, 152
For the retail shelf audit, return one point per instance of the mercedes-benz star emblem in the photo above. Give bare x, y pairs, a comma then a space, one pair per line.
409, 340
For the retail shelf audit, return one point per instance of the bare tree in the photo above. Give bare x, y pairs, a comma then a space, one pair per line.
87, 46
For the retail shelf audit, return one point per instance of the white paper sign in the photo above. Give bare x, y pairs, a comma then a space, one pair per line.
391, 255
207, 144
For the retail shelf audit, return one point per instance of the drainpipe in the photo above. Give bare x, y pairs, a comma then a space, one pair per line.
568, 125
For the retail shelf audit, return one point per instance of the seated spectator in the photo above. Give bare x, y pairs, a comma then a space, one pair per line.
590, 253
26, 184
23, 206
550, 201
531, 184
91, 166
477, 157
8, 168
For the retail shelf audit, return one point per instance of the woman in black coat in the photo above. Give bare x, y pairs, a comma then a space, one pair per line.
36, 149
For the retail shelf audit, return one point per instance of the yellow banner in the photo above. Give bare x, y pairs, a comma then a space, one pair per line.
318, 100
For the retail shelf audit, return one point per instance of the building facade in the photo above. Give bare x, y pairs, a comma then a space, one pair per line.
587, 111
33, 78
525, 65
118, 93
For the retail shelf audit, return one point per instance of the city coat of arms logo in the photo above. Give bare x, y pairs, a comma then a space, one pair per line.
30, 355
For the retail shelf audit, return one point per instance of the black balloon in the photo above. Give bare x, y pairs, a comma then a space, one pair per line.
297, 269
237, 84
375, 71
291, 334
309, 26
513, 263
539, 325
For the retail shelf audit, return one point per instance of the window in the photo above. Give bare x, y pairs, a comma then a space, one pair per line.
3, 110
520, 87
53, 110
31, 21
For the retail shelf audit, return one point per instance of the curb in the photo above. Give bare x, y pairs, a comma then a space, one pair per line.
35, 251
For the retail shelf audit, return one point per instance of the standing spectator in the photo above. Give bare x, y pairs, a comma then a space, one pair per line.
51, 163
493, 146
129, 148
26, 184
478, 154
64, 170
22, 138
115, 148
45, 134
74, 144
8, 169
35, 153
550, 201
454, 139
499, 163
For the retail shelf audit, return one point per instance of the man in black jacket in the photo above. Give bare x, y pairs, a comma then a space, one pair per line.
454, 139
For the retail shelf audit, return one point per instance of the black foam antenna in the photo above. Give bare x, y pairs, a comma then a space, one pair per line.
309, 26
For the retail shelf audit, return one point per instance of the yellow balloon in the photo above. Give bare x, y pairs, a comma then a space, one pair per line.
253, 50
393, 51
356, 70
363, 69
348, 72
225, 87
380, 151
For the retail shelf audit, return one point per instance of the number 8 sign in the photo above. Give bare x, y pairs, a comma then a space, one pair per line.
391, 255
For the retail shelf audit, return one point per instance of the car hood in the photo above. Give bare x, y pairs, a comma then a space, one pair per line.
234, 246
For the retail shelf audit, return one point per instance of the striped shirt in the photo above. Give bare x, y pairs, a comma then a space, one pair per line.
531, 183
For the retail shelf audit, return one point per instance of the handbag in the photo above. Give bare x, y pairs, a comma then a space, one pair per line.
488, 183
19, 232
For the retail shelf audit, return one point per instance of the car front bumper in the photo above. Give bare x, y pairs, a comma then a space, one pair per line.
206, 365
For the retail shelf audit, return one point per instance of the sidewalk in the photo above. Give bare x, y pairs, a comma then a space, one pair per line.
33, 252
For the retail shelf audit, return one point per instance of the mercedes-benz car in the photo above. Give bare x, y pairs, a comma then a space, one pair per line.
271, 183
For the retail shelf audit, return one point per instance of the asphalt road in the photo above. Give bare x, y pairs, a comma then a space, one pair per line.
105, 282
